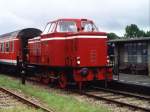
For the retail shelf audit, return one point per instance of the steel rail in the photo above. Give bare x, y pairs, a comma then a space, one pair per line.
122, 93
26, 101
117, 102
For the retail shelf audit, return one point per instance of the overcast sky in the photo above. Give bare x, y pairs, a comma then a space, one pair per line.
109, 15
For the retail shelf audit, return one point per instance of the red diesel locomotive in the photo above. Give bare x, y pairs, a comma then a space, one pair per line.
67, 51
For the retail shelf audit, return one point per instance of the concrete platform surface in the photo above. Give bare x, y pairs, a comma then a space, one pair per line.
133, 79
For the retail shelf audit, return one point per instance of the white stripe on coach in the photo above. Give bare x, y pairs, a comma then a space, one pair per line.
8, 61
8, 39
33, 42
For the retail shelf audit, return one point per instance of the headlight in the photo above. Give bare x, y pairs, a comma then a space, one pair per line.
108, 61
78, 62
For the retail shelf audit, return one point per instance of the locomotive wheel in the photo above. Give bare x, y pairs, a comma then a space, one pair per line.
45, 80
62, 81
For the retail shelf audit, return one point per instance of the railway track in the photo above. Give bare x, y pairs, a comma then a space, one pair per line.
120, 98
126, 99
9, 99
133, 101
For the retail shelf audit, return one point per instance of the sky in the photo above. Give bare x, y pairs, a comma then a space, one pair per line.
108, 15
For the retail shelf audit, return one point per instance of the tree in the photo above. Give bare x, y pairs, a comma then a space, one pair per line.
141, 33
147, 34
112, 36
132, 31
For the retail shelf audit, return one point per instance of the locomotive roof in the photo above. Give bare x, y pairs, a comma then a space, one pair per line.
71, 19
23, 33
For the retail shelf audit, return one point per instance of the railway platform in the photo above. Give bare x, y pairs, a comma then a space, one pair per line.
142, 80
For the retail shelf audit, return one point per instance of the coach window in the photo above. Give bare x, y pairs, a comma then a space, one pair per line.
2, 47
7, 46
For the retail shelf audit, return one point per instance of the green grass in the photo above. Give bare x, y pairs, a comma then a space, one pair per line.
57, 102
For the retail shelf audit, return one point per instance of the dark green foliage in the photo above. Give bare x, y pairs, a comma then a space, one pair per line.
147, 34
112, 36
132, 31
141, 33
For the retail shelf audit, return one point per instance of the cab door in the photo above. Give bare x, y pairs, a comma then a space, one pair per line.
46, 43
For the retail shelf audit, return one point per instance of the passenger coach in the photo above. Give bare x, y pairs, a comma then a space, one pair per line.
14, 47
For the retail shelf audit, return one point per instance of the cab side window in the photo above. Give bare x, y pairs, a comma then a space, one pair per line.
50, 28
46, 30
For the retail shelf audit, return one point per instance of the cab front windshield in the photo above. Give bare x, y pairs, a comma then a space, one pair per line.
66, 26
88, 26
